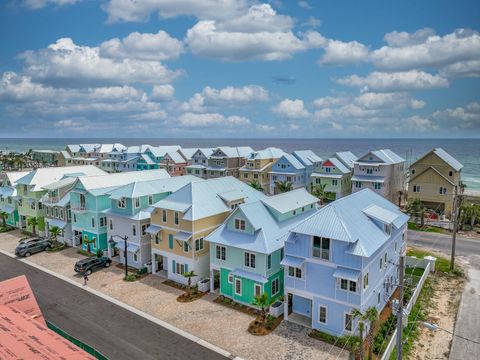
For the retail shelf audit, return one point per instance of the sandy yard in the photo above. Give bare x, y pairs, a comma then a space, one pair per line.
217, 324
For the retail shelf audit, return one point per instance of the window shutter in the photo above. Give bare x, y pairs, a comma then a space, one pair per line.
170, 241
174, 266
186, 267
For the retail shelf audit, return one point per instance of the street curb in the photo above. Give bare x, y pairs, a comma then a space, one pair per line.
141, 313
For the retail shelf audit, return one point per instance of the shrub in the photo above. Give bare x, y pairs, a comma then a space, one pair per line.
99, 253
380, 341
130, 277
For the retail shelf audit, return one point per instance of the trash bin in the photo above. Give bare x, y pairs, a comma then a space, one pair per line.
276, 309
204, 285
148, 265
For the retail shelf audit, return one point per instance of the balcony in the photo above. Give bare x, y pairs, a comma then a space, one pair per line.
79, 207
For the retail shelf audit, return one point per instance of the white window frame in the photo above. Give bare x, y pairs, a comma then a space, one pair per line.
164, 216
134, 230
137, 202
249, 255
150, 199
365, 281
111, 224
185, 245
201, 244
93, 222
277, 280
255, 287
230, 278
345, 322
240, 223
176, 218
269, 261
218, 252
235, 286
326, 314
121, 204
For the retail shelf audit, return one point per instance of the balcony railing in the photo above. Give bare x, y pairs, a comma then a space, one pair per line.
79, 207
323, 254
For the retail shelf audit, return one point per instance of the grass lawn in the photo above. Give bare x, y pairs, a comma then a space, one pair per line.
431, 229
441, 265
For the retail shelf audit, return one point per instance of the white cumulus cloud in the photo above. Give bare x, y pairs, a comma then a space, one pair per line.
291, 109
192, 120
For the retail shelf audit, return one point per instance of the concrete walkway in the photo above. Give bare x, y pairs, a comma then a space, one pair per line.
468, 318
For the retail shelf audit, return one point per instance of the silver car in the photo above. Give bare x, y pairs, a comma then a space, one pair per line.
29, 247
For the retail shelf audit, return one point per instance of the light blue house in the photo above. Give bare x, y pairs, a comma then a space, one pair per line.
245, 252
343, 258
294, 168
90, 196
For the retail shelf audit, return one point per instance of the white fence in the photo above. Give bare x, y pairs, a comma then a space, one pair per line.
428, 263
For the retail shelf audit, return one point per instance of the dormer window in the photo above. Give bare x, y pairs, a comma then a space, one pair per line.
121, 203
387, 228
239, 224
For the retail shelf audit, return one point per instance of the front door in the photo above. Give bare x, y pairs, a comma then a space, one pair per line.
159, 262
216, 279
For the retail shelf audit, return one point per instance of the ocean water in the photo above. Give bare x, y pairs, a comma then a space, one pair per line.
467, 151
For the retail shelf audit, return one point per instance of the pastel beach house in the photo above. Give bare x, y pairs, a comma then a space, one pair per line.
226, 161
199, 162
294, 168
343, 258
181, 221
258, 165
129, 215
245, 251
8, 196
433, 179
382, 171
89, 198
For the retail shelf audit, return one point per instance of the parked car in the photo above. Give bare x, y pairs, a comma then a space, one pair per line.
32, 246
89, 265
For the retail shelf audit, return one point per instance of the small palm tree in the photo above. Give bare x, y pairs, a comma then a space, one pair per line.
369, 316
4, 217
55, 231
33, 222
261, 301
319, 192
284, 186
256, 185
189, 275
416, 208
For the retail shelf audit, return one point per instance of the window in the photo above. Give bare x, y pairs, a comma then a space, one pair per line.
144, 229
281, 254
111, 224
370, 171
358, 184
443, 190
416, 188
385, 259
353, 286
413, 171
381, 263
348, 322
275, 286
321, 248
334, 182
221, 252
55, 210
93, 222
348, 285
199, 244
32, 205
40, 206
269, 261
69, 214
185, 246
102, 221
239, 224
322, 314
25, 189
238, 287
450, 173
230, 279
255, 176
47, 211
295, 272
135, 257
150, 199
74, 218
134, 230
344, 284
176, 218
258, 289
137, 202
121, 203
365, 281
377, 186
180, 269
164, 215
378, 298
250, 260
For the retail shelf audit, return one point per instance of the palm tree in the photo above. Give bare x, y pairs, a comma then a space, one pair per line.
33, 222
4, 216
319, 192
256, 185
55, 231
189, 275
284, 186
369, 316
416, 208
261, 301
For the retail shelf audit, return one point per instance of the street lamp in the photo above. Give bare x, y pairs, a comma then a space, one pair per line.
124, 250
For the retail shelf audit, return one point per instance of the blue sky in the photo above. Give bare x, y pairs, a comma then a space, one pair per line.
239, 68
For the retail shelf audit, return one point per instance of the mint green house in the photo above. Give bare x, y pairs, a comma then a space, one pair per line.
246, 251
90, 197
30, 190
8, 196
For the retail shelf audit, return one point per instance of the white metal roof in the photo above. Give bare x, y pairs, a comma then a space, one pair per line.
290, 200
449, 159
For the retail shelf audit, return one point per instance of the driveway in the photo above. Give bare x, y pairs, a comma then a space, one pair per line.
217, 324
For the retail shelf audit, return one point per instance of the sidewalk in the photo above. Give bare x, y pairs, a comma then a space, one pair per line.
468, 318
217, 324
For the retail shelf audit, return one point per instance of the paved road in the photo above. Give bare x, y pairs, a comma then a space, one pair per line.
443, 243
115, 332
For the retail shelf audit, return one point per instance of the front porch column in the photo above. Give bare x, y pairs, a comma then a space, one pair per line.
285, 307
154, 263
212, 280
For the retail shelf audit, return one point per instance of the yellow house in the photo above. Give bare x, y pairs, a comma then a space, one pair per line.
433, 179
181, 221
258, 165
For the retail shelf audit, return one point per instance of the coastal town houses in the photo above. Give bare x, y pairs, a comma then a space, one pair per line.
382, 171
199, 162
246, 250
56, 205
174, 163
294, 168
46, 157
8, 196
343, 258
433, 179
258, 165
30, 190
153, 156
129, 215
90, 196
226, 161
181, 221
335, 176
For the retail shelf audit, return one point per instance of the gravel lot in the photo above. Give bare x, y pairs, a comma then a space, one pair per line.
222, 326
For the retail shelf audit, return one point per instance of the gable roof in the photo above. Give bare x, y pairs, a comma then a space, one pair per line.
268, 153
290, 200
387, 156
293, 161
442, 154
159, 151
434, 170
346, 157
176, 157
207, 152
346, 220
338, 164
44, 176
269, 233
307, 157
201, 199
13, 176
187, 153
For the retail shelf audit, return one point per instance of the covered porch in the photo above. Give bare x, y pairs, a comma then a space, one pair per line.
298, 309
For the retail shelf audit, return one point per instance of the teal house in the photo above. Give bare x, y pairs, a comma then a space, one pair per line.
246, 251
90, 197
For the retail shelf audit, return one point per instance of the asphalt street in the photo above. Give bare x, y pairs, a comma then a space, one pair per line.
115, 332
443, 243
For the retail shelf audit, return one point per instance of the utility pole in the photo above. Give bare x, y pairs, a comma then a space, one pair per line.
400, 306
457, 203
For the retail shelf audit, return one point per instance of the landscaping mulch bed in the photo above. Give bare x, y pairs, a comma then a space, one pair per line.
257, 328
222, 300
56, 249
184, 298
